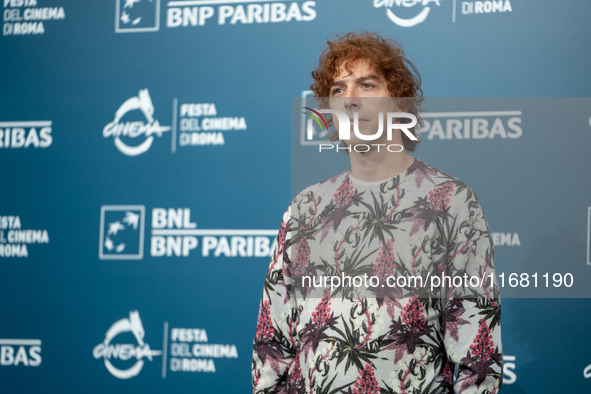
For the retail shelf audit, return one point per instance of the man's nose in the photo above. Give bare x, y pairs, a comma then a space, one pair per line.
352, 100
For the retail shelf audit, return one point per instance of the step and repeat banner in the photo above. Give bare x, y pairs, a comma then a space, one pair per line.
146, 155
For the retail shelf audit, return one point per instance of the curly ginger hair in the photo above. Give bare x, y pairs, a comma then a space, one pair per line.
387, 57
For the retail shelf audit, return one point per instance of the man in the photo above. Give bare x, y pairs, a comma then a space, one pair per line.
391, 218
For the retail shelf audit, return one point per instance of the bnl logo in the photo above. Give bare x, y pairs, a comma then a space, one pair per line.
137, 16
122, 232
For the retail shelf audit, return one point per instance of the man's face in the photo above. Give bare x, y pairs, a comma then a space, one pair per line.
364, 91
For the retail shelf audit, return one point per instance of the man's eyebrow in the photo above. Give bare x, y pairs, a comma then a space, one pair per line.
361, 79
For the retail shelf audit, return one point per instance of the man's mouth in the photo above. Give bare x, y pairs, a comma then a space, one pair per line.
360, 120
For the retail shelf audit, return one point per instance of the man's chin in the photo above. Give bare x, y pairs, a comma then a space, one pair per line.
368, 131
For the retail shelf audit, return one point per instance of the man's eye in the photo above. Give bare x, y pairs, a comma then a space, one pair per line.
367, 85
336, 91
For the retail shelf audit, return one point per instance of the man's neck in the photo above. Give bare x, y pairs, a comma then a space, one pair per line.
375, 166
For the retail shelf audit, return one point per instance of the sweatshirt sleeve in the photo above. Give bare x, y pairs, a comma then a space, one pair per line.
275, 341
472, 313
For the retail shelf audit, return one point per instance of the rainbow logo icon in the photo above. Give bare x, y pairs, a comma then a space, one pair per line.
310, 131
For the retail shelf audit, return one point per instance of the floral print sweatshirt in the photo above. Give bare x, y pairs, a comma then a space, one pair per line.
393, 335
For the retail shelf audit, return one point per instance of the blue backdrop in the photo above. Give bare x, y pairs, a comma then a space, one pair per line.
145, 155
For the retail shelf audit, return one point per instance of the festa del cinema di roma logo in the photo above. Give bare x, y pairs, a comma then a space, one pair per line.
184, 350
345, 128
407, 22
108, 350
123, 132
408, 18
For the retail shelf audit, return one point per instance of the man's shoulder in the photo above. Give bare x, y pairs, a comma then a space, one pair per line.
428, 176
434, 183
